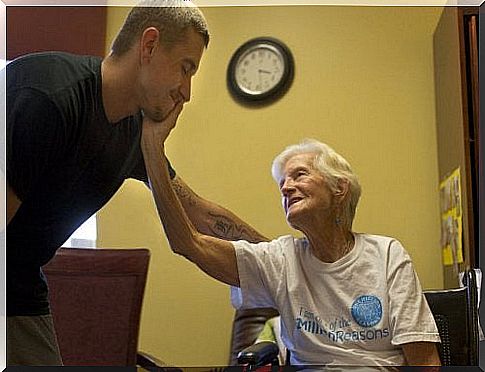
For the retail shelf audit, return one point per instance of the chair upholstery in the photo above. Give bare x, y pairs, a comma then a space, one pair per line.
246, 327
456, 316
96, 298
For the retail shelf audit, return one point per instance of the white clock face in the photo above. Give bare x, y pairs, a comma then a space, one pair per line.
259, 69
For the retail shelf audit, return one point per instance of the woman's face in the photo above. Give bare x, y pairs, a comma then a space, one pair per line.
305, 193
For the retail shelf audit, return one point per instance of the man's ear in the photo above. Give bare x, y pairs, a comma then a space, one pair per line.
148, 43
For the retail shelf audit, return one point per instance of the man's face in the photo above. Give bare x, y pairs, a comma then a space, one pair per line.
165, 79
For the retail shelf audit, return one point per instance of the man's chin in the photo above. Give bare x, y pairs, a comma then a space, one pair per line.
158, 118
156, 115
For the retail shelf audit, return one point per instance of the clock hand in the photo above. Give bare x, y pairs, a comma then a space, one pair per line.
261, 71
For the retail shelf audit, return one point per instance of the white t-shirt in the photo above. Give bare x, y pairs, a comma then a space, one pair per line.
355, 311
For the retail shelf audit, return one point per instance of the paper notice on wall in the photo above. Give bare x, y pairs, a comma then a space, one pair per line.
451, 219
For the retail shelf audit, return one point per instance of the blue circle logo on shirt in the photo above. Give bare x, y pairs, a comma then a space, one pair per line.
367, 310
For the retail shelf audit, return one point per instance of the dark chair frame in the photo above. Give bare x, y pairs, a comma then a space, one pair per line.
456, 315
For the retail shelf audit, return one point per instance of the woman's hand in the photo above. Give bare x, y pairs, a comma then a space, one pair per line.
155, 133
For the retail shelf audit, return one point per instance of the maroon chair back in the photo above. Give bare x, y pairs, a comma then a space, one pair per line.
96, 297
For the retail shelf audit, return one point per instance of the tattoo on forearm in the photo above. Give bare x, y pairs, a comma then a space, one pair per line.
183, 193
225, 228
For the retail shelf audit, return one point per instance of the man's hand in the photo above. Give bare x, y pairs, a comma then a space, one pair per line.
155, 133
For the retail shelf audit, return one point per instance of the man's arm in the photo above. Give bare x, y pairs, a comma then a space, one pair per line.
211, 219
421, 354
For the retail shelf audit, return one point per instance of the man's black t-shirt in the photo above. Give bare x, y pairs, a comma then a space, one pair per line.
64, 162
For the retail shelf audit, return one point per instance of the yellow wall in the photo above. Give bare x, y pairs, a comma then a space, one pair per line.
363, 84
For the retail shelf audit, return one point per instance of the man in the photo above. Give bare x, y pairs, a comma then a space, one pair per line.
73, 136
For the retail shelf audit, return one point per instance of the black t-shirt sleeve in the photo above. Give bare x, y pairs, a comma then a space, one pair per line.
35, 139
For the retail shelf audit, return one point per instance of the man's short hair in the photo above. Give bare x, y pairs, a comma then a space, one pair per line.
172, 18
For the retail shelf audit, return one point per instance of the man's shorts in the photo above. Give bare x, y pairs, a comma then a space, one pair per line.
31, 341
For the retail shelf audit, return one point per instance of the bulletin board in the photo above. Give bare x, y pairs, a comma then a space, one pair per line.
451, 219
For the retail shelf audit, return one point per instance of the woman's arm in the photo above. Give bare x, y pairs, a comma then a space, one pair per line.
214, 256
211, 219
421, 354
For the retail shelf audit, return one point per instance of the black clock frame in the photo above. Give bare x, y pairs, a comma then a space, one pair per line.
274, 93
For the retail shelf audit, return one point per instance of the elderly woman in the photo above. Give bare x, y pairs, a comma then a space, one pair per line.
345, 298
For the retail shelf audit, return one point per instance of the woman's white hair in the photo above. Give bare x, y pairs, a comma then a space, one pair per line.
331, 165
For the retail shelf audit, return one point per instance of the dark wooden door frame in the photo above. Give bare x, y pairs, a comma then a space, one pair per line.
74, 29
468, 28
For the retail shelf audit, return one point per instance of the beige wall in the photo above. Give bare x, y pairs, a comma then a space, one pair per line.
363, 84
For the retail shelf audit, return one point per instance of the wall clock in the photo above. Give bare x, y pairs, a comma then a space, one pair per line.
260, 71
